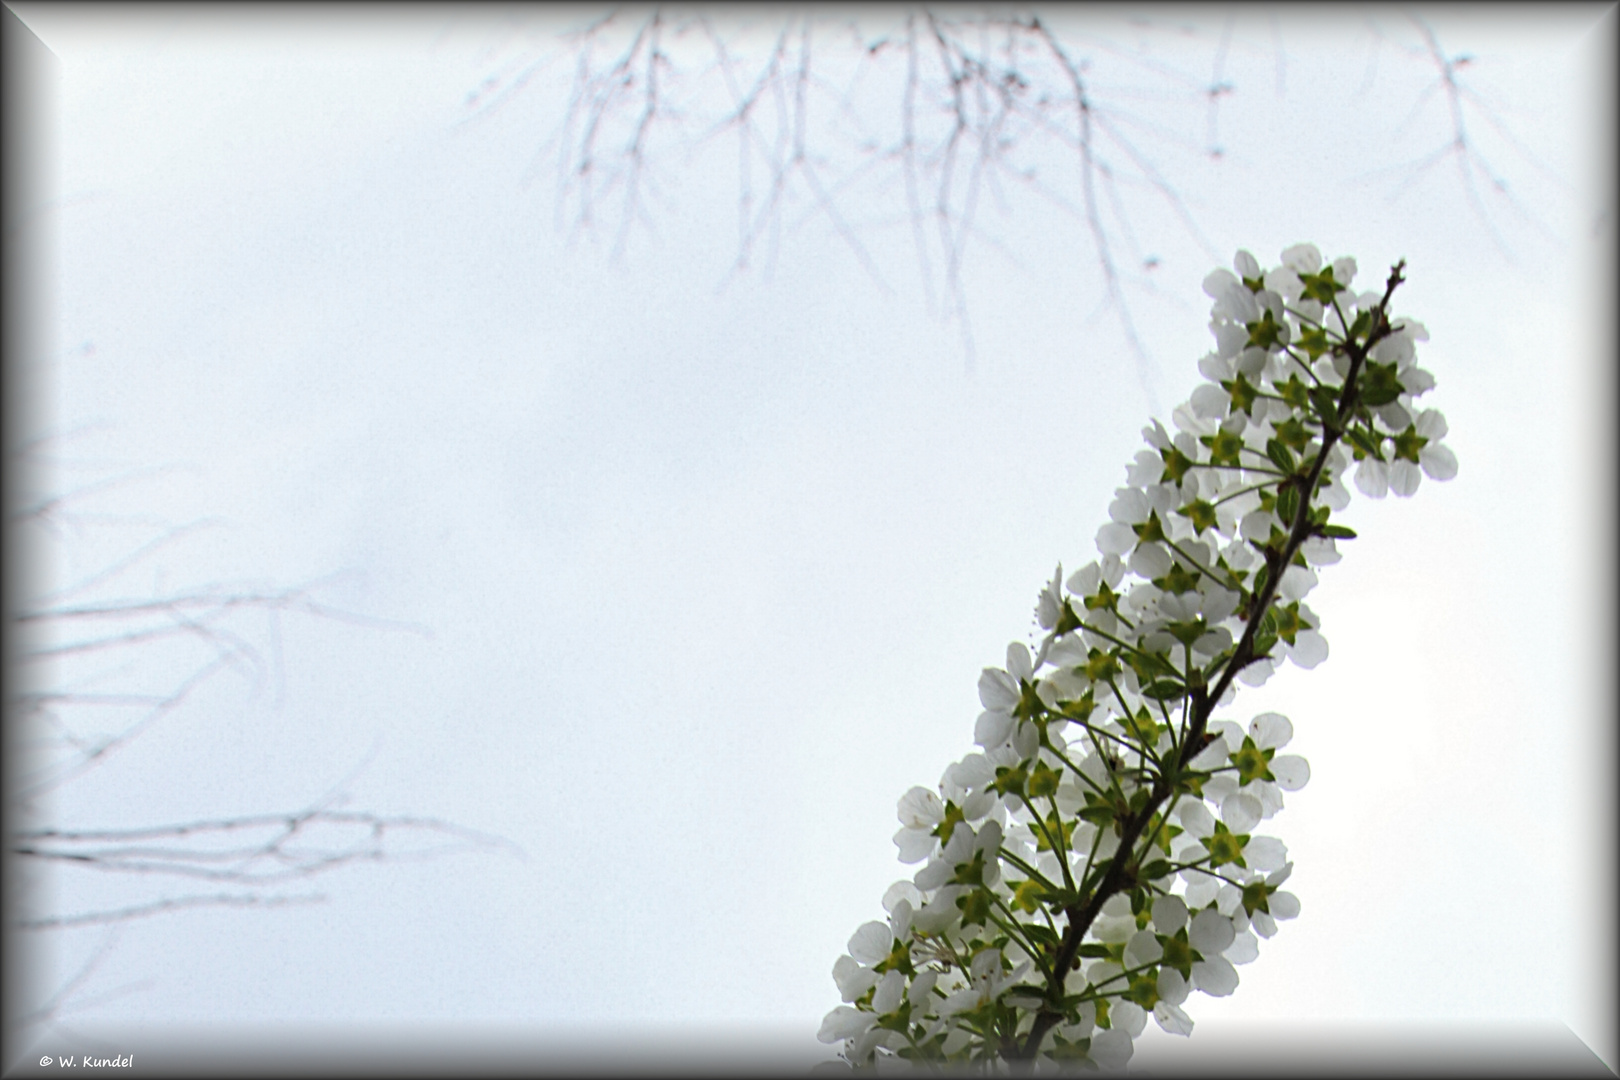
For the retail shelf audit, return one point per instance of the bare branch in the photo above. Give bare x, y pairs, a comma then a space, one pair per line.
247, 851
966, 100
53, 1006
1099, 238
157, 907
127, 628
1473, 168
210, 848
91, 753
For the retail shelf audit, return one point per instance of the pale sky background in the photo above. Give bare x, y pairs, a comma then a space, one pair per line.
711, 563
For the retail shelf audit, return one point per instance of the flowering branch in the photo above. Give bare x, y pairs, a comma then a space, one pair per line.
956, 977
1203, 700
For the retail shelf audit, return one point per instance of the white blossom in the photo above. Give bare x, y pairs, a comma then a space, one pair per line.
1084, 721
1170, 1017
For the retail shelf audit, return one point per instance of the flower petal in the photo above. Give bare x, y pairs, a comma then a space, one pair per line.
920, 808
845, 1022
1128, 1016
1019, 664
1170, 1017
871, 943
1211, 932
1265, 853
1310, 649
1215, 976
915, 845
1241, 811
1292, 771
889, 992
997, 690
1115, 538
852, 979
1111, 1049
1404, 478
1372, 478
1271, 730
1169, 914
1438, 462
992, 729
1245, 948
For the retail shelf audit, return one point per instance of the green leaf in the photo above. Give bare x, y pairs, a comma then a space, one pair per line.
1163, 690
1067, 619
1224, 447
1325, 403
1044, 780
1010, 780
1379, 384
1288, 503
1278, 453
1362, 323
1104, 597
1154, 870
1079, 709
1265, 333
1295, 392
1096, 811
1224, 846
1029, 704
1142, 727
1061, 899
899, 959
970, 873
1256, 897
975, 907
1201, 513
1252, 762
1314, 341
1362, 442
1176, 464
1338, 532
1178, 579
1242, 394
1292, 433
1101, 666
1041, 935
947, 824
1289, 622
1189, 631
1408, 443
1321, 286
1150, 530
1149, 666
1027, 896
1178, 953
1063, 830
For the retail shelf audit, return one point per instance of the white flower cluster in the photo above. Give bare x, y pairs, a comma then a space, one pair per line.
1098, 860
